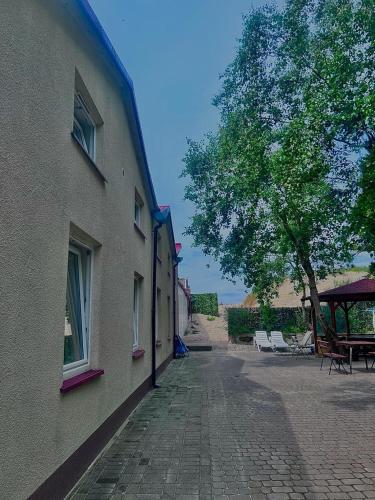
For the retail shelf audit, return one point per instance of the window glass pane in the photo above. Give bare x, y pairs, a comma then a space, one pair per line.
83, 127
137, 213
78, 132
73, 338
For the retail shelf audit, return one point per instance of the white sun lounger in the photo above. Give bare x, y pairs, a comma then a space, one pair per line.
261, 340
303, 347
278, 341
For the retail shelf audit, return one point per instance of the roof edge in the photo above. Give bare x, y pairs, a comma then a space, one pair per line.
104, 40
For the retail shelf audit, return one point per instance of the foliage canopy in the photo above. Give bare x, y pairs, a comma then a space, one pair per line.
275, 187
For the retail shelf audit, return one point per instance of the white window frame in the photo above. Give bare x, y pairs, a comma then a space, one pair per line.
82, 364
136, 311
157, 313
138, 210
90, 149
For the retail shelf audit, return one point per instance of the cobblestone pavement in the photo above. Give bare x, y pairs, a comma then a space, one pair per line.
244, 425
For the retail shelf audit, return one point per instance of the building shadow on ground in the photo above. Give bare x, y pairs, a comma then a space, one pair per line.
250, 433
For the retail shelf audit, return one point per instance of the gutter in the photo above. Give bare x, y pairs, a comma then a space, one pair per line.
177, 261
127, 90
161, 217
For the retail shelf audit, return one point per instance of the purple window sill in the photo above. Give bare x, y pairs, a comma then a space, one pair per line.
139, 353
71, 383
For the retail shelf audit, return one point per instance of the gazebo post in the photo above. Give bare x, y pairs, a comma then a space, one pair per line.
333, 316
341, 296
347, 323
315, 331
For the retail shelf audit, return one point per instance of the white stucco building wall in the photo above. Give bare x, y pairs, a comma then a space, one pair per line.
50, 195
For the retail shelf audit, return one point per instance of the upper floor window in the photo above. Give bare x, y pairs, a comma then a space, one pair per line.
76, 334
84, 126
138, 209
158, 248
137, 213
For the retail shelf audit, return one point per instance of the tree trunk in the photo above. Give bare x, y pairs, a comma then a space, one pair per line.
304, 315
304, 259
328, 332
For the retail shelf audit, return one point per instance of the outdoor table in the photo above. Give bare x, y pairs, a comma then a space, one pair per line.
353, 343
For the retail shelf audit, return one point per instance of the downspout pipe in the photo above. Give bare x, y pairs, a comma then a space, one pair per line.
160, 217
177, 261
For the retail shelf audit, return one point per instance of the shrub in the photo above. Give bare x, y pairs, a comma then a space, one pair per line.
242, 321
210, 318
205, 303
267, 317
360, 319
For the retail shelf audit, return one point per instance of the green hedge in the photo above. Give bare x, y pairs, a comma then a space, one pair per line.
243, 321
360, 320
205, 303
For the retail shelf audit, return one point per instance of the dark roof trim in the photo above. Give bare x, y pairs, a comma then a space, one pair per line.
163, 216
126, 81
357, 291
129, 98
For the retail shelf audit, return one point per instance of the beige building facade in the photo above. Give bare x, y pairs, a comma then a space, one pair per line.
76, 251
184, 306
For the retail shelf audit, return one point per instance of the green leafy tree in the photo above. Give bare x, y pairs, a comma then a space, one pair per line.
274, 188
341, 95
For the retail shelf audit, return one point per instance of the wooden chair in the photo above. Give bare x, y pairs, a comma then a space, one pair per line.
337, 360
370, 354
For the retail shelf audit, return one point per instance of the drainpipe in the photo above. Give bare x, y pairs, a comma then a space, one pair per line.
161, 217
153, 311
177, 261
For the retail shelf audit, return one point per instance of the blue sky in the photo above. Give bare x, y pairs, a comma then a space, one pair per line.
174, 51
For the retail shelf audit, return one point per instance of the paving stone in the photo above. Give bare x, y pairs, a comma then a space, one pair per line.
235, 423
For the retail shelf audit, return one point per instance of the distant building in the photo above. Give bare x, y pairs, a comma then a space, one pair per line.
184, 306
288, 298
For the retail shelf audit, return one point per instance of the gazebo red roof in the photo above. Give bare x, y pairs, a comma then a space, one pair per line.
360, 290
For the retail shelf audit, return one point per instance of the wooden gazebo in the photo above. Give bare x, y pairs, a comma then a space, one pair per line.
345, 297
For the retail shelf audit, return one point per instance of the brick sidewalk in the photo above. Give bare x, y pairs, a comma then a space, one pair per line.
243, 424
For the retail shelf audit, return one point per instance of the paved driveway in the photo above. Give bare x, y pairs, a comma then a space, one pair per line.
235, 423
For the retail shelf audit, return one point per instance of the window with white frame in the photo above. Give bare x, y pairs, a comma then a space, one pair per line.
157, 313
84, 126
169, 314
77, 310
137, 212
158, 248
136, 311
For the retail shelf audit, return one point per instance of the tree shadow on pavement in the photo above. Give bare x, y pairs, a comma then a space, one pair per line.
357, 395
